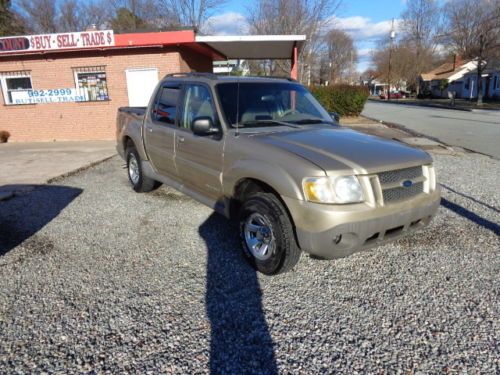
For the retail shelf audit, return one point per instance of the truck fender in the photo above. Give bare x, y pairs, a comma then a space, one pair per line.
134, 134
269, 173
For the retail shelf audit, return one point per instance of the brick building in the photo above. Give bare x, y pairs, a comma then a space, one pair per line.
69, 86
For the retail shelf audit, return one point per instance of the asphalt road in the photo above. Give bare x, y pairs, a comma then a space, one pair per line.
477, 131
95, 278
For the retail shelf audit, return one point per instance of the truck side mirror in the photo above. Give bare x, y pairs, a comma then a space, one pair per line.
335, 116
203, 126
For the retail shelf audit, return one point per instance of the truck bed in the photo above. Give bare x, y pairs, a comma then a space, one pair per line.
135, 111
129, 120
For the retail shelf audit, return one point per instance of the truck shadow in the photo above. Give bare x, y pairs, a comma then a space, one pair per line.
34, 207
240, 341
444, 186
475, 218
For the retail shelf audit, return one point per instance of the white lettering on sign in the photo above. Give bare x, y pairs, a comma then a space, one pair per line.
46, 96
50, 42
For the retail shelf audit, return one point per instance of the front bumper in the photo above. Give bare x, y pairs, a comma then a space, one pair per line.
336, 231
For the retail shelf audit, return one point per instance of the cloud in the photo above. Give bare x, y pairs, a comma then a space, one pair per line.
230, 23
363, 28
365, 32
365, 52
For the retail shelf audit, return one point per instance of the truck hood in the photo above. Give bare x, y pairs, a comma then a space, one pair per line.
337, 149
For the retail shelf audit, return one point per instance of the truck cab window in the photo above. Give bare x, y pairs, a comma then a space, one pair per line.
165, 109
197, 103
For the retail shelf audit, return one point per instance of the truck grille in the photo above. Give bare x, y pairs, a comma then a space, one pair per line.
391, 183
399, 175
401, 193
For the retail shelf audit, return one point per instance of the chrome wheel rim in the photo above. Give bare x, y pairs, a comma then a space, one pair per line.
259, 236
133, 169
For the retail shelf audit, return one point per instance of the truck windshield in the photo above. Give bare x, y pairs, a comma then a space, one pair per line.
269, 104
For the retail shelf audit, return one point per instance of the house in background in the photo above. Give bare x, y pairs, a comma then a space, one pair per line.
454, 73
231, 67
377, 86
494, 84
470, 85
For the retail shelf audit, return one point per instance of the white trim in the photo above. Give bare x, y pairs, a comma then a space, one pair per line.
140, 69
249, 38
3, 84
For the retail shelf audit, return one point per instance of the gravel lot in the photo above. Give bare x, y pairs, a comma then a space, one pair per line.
96, 278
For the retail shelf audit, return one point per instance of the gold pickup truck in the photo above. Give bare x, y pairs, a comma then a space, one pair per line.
264, 152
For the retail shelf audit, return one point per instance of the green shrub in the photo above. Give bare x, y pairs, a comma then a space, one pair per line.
346, 100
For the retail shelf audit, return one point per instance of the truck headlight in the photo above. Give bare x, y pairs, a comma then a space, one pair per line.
346, 189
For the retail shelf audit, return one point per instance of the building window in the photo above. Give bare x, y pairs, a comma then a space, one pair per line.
496, 86
91, 83
165, 109
16, 87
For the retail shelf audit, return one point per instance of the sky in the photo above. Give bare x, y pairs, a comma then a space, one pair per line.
365, 20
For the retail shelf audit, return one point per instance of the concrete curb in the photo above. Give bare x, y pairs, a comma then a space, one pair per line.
434, 106
80, 169
421, 105
420, 135
9, 194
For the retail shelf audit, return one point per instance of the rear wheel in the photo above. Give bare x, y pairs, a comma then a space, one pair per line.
267, 234
139, 181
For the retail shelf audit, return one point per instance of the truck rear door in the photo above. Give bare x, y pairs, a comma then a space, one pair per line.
159, 130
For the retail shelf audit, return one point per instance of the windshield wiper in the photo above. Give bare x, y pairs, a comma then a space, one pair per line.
313, 121
266, 122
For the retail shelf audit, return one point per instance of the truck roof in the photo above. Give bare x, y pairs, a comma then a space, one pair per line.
213, 78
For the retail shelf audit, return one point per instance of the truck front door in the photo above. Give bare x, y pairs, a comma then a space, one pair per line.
199, 158
160, 128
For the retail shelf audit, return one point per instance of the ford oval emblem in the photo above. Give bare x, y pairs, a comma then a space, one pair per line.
407, 183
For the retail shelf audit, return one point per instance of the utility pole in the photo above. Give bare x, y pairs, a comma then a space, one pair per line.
480, 71
330, 76
392, 36
417, 62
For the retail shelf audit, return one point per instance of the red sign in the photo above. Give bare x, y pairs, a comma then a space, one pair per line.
51, 42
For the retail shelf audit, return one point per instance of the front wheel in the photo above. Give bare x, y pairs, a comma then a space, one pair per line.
267, 234
139, 181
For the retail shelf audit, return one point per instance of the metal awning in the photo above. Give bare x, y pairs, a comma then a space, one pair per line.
254, 46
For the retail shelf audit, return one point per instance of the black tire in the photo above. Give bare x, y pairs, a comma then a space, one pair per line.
143, 184
286, 252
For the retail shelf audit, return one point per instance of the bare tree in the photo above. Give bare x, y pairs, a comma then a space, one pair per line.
74, 15
10, 22
40, 15
419, 26
307, 17
64, 15
402, 63
191, 13
70, 16
473, 31
341, 56
96, 13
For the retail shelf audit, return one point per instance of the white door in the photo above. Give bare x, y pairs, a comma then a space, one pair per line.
140, 85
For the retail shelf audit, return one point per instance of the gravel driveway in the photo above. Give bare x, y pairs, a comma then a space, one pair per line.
96, 278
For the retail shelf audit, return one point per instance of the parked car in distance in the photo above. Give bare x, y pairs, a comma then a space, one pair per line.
264, 152
395, 95
406, 94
